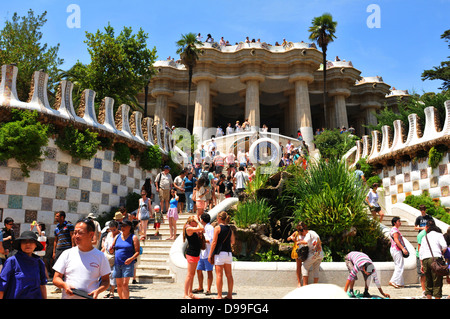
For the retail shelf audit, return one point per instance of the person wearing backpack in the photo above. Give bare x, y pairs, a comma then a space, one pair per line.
164, 183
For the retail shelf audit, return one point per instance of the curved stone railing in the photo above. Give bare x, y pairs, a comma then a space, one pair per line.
387, 144
260, 45
132, 129
279, 274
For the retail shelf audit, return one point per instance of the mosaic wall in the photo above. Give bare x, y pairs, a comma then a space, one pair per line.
60, 182
414, 178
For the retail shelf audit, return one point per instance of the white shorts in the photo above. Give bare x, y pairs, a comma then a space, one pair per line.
223, 258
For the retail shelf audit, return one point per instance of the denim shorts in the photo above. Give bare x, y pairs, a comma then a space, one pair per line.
204, 265
123, 271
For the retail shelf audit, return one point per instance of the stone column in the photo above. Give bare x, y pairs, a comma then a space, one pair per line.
202, 108
340, 107
303, 119
162, 105
370, 108
252, 111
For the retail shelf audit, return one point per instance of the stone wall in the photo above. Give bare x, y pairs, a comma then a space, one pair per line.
395, 156
60, 182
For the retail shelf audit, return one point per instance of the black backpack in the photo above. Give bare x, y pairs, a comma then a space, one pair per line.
204, 175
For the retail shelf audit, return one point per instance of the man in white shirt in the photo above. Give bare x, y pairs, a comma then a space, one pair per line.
240, 180
204, 264
80, 268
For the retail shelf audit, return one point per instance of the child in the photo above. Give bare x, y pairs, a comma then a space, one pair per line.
158, 219
172, 214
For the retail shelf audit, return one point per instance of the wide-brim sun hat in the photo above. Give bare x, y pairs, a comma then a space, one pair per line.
27, 235
118, 215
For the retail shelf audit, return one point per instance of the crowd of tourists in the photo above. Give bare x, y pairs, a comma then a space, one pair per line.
113, 253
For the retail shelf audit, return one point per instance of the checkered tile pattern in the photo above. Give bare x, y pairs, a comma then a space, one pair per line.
60, 182
414, 178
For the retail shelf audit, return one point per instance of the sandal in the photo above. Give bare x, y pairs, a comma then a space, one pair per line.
197, 291
393, 285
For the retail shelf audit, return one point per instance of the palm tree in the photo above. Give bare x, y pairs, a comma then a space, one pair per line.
322, 31
189, 52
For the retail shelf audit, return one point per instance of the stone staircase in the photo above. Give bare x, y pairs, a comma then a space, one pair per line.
406, 229
154, 261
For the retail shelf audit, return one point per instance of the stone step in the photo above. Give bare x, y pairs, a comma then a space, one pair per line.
154, 279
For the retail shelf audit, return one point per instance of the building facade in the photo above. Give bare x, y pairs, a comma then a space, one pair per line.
277, 86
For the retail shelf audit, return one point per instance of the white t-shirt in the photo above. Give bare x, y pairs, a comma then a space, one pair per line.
437, 244
373, 199
241, 179
209, 234
312, 238
82, 270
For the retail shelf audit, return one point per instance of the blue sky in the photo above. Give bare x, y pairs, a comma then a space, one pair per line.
406, 42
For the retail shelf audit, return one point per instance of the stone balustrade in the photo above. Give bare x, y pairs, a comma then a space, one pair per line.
118, 125
385, 145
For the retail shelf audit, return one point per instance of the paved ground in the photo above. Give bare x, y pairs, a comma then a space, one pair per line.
175, 291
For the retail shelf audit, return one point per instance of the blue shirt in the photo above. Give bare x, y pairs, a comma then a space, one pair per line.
124, 249
22, 277
173, 203
189, 184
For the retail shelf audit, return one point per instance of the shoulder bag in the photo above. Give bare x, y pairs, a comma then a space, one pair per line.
438, 265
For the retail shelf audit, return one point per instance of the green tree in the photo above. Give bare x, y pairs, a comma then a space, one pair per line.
441, 72
120, 66
414, 105
322, 31
20, 43
189, 52
333, 144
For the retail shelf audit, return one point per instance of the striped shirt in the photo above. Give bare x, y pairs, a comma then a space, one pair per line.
358, 260
62, 232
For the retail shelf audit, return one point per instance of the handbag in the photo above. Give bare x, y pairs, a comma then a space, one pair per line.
407, 252
438, 265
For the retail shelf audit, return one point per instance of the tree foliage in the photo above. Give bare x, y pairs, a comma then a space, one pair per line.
441, 72
333, 144
23, 139
20, 43
323, 30
120, 66
414, 105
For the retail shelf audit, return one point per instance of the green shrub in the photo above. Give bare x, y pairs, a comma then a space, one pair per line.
434, 209
151, 158
435, 155
330, 201
252, 212
79, 144
23, 139
122, 153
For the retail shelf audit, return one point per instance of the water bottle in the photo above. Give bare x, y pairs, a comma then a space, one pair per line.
43, 240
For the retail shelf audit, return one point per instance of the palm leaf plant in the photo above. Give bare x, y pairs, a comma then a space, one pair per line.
189, 51
322, 31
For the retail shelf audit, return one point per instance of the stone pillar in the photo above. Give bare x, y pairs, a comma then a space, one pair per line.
303, 119
162, 105
340, 107
252, 111
202, 110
